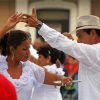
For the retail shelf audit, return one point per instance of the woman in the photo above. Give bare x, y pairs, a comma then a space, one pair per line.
15, 64
47, 59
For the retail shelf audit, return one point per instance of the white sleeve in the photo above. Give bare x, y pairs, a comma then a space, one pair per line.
2, 63
80, 51
38, 72
60, 71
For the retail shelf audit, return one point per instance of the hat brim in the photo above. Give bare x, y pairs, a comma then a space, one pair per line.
85, 27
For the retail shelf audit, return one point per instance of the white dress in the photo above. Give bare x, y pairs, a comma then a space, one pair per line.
87, 55
32, 75
48, 92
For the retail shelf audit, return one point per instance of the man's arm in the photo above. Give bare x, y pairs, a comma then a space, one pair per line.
55, 39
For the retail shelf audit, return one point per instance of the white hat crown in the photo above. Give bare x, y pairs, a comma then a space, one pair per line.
88, 21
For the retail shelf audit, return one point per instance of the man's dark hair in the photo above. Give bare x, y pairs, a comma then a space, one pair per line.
89, 30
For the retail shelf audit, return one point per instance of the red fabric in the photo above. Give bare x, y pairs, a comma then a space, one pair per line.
72, 69
7, 90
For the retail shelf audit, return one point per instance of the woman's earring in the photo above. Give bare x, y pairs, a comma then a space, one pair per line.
12, 56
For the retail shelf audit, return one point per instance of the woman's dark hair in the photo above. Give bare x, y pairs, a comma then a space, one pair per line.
13, 38
3, 43
49, 51
89, 30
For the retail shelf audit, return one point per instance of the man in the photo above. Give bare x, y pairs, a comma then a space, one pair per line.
87, 51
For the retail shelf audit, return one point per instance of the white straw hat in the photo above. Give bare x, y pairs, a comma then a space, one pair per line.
88, 22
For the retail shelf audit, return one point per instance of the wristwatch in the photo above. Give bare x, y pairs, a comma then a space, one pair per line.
39, 25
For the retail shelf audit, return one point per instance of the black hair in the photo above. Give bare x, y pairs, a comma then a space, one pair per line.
62, 57
3, 43
13, 38
49, 51
89, 30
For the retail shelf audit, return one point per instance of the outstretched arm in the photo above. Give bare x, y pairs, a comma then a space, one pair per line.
51, 78
10, 23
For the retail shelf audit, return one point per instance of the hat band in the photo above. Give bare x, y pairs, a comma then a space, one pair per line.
85, 25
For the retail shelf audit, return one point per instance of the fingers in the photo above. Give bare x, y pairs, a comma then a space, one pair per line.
16, 17
26, 15
25, 20
67, 80
19, 17
31, 20
34, 12
68, 35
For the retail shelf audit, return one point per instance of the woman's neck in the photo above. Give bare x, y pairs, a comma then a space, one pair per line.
12, 61
14, 68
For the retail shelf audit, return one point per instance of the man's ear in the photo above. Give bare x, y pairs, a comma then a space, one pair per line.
93, 33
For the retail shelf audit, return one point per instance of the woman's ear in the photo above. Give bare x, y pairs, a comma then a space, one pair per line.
12, 52
49, 59
11, 49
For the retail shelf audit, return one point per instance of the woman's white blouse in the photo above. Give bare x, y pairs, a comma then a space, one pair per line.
31, 75
48, 92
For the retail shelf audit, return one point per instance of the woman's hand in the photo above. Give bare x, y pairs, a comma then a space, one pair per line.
63, 82
66, 81
12, 21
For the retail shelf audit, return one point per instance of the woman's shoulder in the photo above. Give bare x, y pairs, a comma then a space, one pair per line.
2, 58
32, 66
3, 63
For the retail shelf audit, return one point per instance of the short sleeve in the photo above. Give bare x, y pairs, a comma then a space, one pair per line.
37, 71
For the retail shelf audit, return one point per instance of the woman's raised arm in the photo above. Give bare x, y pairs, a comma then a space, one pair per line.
10, 23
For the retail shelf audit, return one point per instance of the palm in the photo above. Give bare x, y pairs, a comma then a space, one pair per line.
13, 20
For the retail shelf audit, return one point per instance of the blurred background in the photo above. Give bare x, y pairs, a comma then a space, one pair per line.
58, 14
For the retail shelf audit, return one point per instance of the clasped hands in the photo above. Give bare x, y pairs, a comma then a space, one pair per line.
30, 20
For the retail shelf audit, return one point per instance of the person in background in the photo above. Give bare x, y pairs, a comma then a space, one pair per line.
47, 59
38, 43
71, 68
71, 65
15, 64
88, 33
